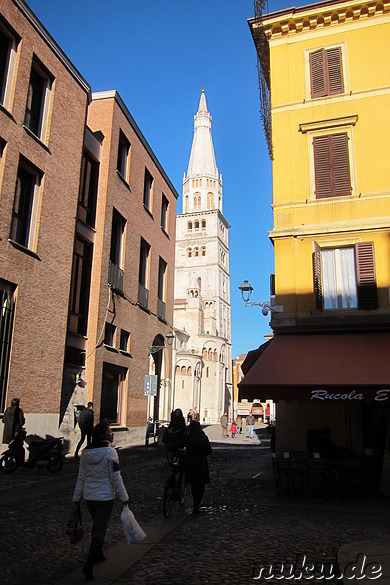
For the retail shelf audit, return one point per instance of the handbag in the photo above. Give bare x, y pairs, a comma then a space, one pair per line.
131, 528
74, 527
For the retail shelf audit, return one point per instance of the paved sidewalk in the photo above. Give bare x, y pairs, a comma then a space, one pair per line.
242, 525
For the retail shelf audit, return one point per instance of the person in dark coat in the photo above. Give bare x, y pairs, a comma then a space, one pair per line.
198, 448
85, 423
13, 420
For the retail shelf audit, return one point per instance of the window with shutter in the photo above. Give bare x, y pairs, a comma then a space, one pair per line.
344, 278
326, 72
331, 166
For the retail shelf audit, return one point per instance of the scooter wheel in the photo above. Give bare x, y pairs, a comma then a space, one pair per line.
8, 463
55, 463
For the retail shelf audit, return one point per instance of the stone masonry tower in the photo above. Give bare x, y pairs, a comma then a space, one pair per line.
202, 356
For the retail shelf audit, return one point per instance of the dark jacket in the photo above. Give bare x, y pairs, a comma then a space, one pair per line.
198, 449
86, 419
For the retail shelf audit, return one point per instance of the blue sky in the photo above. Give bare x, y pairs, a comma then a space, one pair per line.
159, 55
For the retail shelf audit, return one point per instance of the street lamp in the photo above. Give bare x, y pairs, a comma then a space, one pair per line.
246, 292
155, 348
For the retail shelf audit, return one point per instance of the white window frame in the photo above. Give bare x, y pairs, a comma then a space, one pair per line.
6, 89
45, 104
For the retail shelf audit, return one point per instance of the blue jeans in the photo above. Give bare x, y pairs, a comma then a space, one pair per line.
250, 430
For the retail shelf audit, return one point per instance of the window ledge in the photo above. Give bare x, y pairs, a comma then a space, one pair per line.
146, 309
332, 123
148, 211
7, 112
164, 231
125, 353
123, 179
110, 348
24, 249
36, 138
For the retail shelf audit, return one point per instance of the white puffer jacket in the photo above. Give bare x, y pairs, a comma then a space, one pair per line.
99, 476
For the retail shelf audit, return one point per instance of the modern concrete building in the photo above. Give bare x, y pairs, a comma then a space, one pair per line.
203, 370
324, 73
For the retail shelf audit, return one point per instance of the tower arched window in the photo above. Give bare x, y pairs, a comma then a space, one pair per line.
189, 226
196, 250
210, 201
189, 252
183, 370
210, 356
215, 355
204, 353
177, 370
203, 224
189, 371
203, 250
196, 225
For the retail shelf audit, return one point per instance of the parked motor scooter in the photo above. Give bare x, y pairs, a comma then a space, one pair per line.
46, 453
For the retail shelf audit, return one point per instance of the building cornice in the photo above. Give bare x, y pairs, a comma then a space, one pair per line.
41, 30
318, 15
113, 94
323, 124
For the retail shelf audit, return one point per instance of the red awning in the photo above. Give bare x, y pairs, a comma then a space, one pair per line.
321, 366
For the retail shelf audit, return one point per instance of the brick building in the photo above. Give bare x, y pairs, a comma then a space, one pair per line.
84, 204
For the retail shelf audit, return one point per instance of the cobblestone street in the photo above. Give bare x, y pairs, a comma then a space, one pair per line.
242, 524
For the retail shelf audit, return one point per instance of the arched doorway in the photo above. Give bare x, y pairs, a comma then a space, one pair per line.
155, 368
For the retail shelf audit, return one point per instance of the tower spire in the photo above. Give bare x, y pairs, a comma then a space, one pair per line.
202, 159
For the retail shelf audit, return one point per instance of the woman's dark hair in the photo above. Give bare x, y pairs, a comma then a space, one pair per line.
98, 433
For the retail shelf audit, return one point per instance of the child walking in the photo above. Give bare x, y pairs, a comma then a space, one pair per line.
233, 429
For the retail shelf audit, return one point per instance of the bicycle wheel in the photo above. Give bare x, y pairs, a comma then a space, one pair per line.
168, 497
8, 463
182, 488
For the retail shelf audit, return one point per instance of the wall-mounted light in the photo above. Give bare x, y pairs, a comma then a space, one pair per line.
246, 293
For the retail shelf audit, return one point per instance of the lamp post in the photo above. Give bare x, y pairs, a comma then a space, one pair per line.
246, 293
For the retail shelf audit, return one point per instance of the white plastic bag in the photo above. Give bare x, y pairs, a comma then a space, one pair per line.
131, 528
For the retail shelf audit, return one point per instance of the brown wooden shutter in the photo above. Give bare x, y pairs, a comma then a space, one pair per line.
334, 71
322, 167
366, 276
331, 166
317, 74
317, 277
340, 173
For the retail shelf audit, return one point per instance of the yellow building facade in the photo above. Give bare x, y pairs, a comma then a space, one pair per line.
324, 77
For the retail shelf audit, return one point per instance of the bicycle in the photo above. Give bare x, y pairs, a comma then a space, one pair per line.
175, 488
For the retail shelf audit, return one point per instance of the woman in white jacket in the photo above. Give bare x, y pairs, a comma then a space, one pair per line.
98, 481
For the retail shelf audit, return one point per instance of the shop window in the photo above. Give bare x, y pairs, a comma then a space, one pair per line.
26, 204
38, 100
345, 278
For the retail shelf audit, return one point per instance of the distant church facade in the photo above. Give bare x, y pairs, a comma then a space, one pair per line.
202, 314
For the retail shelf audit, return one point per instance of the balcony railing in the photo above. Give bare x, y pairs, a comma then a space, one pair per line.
115, 277
161, 309
143, 296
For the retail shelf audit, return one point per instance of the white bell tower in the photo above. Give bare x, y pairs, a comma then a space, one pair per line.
203, 369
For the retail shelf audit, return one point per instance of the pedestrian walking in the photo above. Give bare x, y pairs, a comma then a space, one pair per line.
233, 429
250, 423
85, 422
98, 482
198, 448
224, 425
13, 419
189, 416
